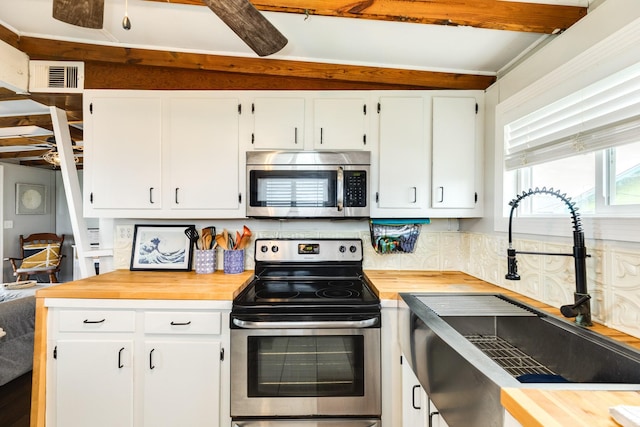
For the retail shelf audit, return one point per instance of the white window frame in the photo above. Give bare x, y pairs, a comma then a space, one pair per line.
612, 54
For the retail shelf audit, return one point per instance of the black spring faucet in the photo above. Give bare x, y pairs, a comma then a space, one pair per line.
581, 308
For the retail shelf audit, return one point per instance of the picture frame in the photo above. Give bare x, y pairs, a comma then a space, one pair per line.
31, 199
161, 247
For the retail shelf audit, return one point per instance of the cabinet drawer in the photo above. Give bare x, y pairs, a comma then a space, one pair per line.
97, 320
181, 322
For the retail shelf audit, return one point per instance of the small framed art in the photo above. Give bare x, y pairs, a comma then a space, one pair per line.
161, 247
31, 199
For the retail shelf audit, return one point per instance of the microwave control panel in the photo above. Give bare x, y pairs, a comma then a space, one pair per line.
355, 189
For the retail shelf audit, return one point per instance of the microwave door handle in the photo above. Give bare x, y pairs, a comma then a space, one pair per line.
340, 189
347, 324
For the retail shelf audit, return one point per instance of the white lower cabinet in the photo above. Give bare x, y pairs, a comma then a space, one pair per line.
434, 417
152, 364
415, 403
94, 383
417, 409
182, 383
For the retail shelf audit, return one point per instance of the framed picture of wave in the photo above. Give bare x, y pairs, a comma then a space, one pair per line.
161, 247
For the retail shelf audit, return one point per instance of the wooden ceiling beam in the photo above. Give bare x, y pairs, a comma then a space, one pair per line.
490, 14
38, 48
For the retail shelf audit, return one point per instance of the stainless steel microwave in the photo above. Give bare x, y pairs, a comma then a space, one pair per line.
308, 184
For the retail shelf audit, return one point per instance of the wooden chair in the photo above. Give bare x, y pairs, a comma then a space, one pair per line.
41, 254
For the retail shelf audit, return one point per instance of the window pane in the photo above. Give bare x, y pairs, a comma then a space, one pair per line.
626, 167
574, 176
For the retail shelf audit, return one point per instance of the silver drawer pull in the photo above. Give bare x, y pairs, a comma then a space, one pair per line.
356, 324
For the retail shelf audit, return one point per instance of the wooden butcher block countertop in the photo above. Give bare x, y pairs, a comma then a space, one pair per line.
125, 284
531, 407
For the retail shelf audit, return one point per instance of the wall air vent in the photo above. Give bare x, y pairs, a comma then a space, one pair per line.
56, 76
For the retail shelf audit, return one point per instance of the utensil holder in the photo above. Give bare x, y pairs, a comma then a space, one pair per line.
205, 261
233, 261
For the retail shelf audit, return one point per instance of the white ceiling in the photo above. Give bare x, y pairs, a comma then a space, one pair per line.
189, 28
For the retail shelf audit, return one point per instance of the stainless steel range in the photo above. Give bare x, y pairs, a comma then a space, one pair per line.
305, 338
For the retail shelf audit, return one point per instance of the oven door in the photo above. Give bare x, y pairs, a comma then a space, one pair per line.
305, 372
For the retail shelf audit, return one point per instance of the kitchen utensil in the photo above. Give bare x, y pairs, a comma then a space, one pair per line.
206, 241
221, 241
238, 240
210, 229
192, 234
246, 237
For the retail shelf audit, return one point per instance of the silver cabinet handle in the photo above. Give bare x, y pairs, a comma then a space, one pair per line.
441, 194
415, 194
151, 195
340, 189
355, 324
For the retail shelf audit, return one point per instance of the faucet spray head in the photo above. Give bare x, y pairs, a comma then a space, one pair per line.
512, 265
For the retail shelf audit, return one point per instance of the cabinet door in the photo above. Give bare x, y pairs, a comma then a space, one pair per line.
415, 404
278, 123
403, 157
94, 383
435, 419
203, 146
454, 153
339, 124
182, 383
124, 153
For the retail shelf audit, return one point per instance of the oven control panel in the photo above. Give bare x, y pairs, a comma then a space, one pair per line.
305, 250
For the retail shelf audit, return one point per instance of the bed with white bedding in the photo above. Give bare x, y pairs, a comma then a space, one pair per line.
17, 323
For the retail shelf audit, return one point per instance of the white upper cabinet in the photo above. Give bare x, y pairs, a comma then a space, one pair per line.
278, 123
123, 144
454, 153
403, 173
340, 123
182, 154
160, 154
202, 140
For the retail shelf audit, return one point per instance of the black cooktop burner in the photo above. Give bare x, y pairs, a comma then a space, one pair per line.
294, 291
317, 277
337, 293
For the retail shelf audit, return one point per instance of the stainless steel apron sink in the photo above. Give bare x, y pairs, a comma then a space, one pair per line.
465, 347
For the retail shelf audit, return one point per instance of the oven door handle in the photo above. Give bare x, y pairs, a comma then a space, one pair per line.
347, 324
340, 189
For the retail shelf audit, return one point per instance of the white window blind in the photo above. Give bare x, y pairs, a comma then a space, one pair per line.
602, 115
294, 192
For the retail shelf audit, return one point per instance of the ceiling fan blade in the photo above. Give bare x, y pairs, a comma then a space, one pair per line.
249, 24
82, 13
